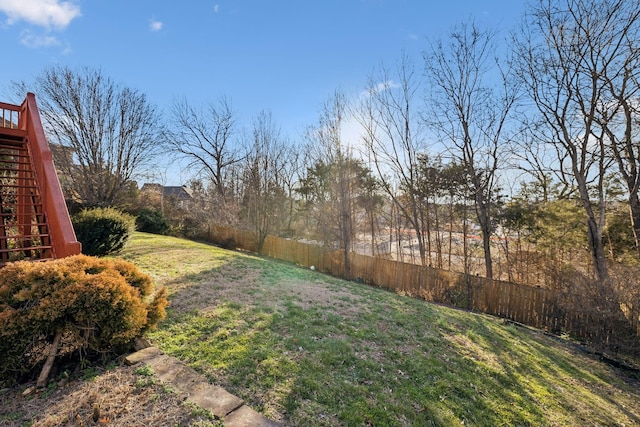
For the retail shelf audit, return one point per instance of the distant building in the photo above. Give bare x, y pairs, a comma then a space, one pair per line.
180, 196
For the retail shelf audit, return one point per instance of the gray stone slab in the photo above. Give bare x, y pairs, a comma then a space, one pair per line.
166, 368
160, 360
197, 389
247, 417
181, 377
142, 355
216, 399
188, 381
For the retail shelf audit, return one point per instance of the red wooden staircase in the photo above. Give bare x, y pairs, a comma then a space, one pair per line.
34, 221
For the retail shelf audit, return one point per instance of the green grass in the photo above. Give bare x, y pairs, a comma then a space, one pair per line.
307, 349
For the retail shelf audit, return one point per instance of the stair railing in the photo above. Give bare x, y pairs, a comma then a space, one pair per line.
63, 238
9, 115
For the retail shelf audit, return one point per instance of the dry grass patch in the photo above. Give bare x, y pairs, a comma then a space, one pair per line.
122, 396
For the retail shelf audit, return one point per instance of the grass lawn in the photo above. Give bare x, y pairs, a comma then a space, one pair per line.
304, 348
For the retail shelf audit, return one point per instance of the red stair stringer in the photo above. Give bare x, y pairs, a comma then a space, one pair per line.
60, 230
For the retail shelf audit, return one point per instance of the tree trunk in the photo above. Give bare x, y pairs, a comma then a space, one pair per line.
488, 262
484, 219
48, 364
465, 243
597, 250
634, 210
450, 230
438, 236
372, 225
594, 229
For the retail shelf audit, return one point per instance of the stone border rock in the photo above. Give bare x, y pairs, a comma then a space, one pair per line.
184, 379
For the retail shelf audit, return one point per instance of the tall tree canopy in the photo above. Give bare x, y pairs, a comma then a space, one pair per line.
578, 60
469, 110
107, 134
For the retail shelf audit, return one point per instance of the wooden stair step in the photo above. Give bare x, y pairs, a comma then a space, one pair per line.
24, 236
29, 248
12, 133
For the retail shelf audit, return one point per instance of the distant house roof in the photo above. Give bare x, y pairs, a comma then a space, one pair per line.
151, 187
178, 192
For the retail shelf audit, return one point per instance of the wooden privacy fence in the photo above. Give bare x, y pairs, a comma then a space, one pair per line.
538, 307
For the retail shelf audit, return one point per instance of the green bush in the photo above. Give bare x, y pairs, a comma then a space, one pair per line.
152, 221
94, 304
103, 231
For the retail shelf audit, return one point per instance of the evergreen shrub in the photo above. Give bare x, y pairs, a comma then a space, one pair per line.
152, 221
103, 231
95, 305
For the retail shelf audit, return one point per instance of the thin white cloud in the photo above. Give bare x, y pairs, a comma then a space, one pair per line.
216, 8
379, 87
45, 13
389, 84
36, 41
155, 25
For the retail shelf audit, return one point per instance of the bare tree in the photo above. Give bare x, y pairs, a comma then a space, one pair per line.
470, 113
530, 157
291, 179
107, 134
431, 189
331, 151
578, 60
454, 186
614, 45
337, 186
264, 178
395, 139
205, 140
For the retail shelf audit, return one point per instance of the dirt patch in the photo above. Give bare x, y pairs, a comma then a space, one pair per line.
308, 294
211, 287
248, 289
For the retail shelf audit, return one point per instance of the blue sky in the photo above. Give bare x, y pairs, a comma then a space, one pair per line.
287, 57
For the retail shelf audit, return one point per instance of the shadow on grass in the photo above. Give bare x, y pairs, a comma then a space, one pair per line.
364, 356
542, 375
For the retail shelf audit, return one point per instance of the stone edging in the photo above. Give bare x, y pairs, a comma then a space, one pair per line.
184, 379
